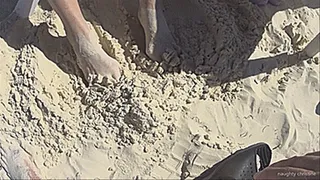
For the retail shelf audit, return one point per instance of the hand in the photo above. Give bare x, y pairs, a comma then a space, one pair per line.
303, 167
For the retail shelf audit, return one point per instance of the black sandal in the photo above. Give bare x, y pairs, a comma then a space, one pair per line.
240, 165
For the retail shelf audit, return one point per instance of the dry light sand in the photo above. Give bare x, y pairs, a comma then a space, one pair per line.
240, 79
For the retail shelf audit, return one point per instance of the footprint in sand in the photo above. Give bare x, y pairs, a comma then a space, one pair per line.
17, 163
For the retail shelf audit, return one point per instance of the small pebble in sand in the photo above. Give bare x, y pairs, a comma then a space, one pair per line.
204, 96
188, 101
46, 163
171, 138
145, 149
196, 137
171, 129
282, 87
131, 139
309, 61
69, 153
186, 174
316, 60
197, 143
205, 89
210, 145
206, 137
110, 169
153, 159
218, 146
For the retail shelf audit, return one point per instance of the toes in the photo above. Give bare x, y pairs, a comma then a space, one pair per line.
92, 78
103, 80
111, 80
170, 56
85, 70
107, 81
99, 68
116, 75
113, 75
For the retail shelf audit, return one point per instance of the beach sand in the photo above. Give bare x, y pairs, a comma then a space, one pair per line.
242, 77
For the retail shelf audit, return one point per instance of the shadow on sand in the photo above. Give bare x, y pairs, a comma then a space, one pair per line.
19, 32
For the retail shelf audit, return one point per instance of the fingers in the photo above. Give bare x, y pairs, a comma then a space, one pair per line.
286, 173
305, 162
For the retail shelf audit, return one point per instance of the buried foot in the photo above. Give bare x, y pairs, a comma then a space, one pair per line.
160, 44
17, 163
94, 62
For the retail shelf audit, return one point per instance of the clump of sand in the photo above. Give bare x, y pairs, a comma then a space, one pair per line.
162, 115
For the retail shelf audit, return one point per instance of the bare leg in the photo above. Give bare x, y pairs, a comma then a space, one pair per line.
25, 8
157, 34
93, 61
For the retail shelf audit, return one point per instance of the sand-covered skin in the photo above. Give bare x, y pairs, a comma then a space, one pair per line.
169, 119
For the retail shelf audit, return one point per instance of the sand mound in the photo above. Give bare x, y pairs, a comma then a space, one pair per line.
239, 80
